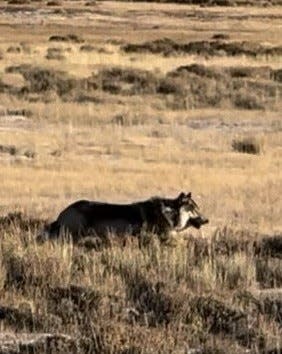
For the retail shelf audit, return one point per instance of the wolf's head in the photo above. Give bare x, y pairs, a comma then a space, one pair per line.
181, 212
188, 213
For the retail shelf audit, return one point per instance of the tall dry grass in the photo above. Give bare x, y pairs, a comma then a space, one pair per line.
202, 290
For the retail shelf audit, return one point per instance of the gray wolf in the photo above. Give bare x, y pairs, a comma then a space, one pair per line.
156, 215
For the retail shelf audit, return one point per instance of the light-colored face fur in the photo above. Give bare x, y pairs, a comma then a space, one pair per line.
179, 213
188, 209
185, 214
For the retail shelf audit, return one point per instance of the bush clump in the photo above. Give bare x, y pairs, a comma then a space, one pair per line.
54, 3
55, 54
247, 145
41, 80
127, 81
14, 49
213, 47
18, 2
67, 38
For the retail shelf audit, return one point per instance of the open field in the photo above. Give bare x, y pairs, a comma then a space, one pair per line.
119, 102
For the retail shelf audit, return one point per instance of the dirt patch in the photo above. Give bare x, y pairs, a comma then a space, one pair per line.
167, 47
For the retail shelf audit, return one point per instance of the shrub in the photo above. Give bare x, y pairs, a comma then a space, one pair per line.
221, 36
127, 81
41, 80
68, 38
170, 85
246, 100
54, 3
55, 54
277, 75
18, 2
167, 46
248, 145
91, 3
14, 49
87, 48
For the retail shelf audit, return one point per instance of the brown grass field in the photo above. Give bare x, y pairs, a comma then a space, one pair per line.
120, 101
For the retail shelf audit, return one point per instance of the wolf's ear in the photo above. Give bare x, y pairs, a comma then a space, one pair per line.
181, 196
189, 195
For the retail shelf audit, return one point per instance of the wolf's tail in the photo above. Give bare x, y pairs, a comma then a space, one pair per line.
54, 229
50, 231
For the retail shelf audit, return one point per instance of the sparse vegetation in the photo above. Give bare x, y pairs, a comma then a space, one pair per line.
54, 3
87, 48
18, 2
164, 287
55, 54
202, 86
86, 114
14, 49
91, 3
68, 38
167, 47
233, 3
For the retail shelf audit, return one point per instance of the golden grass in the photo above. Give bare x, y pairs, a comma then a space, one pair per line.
83, 151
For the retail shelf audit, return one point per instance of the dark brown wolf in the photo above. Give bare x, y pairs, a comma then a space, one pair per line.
156, 215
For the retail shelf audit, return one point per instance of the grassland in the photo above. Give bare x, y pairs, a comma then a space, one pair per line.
119, 102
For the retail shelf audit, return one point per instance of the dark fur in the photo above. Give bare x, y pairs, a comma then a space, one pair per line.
157, 215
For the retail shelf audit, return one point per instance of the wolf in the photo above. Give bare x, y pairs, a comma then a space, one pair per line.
156, 215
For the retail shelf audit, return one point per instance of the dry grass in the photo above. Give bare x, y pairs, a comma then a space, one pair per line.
87, 120
183, 295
